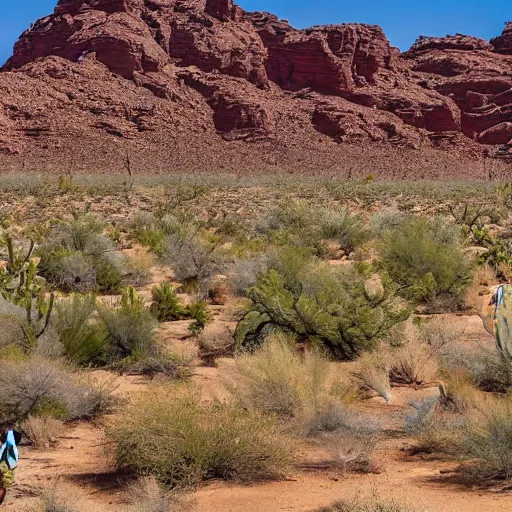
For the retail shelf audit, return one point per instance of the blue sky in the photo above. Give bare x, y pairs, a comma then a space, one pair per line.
402, 20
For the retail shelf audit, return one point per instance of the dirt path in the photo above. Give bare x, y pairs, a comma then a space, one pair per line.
416, 483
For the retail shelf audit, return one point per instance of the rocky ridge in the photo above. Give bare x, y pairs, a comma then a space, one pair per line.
193, 85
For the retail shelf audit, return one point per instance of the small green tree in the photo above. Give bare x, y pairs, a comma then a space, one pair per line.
338, 308
425, 259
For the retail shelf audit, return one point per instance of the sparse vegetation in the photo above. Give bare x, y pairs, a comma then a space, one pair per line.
488, 439
367, 505
296, 289
185, 442
43, 431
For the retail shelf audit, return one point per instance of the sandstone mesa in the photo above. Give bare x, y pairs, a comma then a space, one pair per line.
202, 85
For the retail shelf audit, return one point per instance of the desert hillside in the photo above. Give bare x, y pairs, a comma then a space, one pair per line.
117, 86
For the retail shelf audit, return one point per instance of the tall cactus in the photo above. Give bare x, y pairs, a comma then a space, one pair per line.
21, 285
503, 321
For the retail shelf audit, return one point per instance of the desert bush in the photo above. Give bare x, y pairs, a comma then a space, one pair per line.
84, 340
38, 387
488, 439
138, 267
109, 273
59, 498
148, 231
194, 259
83, 234
166, 305
130, 328
330, 306
372, 375
170, 435
294, 215
425, 259
351, 445
215, 341
43, 431
296, 387
413, 363
487, 368
346, 228
78, 257
244, 273
367, 505
436, 428
385, 221
12, 318
278, 380
74, 272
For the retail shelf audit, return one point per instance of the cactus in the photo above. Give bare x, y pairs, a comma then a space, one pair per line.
21, 285
130, 300
503, 321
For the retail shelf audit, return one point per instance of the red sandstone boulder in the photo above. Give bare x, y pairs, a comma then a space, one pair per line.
498, 134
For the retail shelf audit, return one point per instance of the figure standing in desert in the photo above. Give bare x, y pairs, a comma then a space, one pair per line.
9, 440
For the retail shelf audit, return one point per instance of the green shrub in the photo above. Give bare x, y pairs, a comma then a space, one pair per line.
199, 312
170, 435
84, 340
332, 306
488, 439
166, 305
345, 227
148, 231
130, 328
77, 257
425, 259
109, 276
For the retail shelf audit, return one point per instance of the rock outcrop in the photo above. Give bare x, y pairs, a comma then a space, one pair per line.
503, 43
201, 84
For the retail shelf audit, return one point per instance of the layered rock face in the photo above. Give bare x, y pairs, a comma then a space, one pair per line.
201, 84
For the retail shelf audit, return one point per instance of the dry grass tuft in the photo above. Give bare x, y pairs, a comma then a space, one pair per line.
43, 432
372, 375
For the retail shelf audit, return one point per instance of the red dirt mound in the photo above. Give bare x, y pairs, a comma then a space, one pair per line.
201, 85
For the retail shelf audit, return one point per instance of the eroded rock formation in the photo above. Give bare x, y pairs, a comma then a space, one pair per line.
203, 84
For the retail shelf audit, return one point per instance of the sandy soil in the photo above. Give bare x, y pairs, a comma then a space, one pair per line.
80, 462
